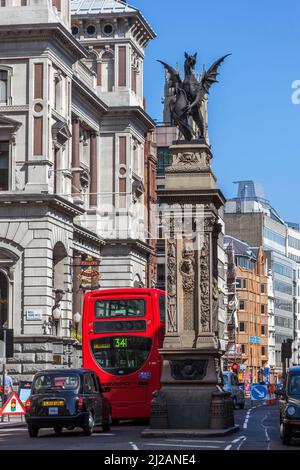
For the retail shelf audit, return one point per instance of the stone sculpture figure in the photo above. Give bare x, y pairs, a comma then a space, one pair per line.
189, 95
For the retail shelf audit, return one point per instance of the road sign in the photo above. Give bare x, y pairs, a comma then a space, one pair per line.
254, 339
259, 392
13, 406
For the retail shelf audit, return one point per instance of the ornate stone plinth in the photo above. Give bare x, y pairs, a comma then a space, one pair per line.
191, 396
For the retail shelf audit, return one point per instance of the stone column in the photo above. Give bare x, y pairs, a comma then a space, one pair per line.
93, 170
191, 376
75, 155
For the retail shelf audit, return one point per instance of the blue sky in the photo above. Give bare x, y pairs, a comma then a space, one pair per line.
254, 126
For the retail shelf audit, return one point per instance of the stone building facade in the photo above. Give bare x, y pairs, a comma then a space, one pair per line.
72, 157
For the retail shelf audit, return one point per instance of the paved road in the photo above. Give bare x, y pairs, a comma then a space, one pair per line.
258, 431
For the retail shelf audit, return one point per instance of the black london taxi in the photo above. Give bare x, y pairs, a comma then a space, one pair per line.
289, 404
67, 398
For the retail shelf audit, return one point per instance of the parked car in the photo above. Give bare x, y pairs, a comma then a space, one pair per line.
289, 405
67, 398
231, 384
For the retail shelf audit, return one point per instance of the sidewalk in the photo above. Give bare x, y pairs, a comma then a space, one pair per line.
12, 422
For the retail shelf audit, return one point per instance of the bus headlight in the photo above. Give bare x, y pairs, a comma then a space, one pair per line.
291, 410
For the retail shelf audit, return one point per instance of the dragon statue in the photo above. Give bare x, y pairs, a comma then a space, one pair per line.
189, 94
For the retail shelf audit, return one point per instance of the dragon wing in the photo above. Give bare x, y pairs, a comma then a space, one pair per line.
174, 75
210, 76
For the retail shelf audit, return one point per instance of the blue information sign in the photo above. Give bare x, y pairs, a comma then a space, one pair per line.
259, 392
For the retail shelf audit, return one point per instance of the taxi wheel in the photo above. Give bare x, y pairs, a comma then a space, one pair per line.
89, 425
33, 431
106, 426
58, 429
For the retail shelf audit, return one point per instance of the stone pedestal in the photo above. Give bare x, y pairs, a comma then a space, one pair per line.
191, 397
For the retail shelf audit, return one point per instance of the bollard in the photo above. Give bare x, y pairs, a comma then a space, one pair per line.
221, 411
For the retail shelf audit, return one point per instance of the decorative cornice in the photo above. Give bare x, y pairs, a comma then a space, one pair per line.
38, 32
88, 235
132, 111
90, 95
8, 109
136, 245
50, 200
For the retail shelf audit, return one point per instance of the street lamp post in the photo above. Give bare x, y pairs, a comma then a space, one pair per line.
76, 319
56, 314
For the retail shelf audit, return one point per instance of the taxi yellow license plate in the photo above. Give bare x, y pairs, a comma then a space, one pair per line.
54, 403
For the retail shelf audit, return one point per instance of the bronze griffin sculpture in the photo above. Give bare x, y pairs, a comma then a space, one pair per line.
189, 95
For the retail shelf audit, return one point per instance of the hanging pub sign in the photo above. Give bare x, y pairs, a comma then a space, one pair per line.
89, 275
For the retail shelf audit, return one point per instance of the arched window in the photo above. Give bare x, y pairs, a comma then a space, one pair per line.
108, 71
59, 269
3, 86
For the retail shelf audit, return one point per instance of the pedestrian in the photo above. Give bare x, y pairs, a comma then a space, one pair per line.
8, 386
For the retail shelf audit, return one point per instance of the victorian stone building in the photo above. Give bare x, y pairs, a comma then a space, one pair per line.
77, 166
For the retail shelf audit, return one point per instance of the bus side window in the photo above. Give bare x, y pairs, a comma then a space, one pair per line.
162, 308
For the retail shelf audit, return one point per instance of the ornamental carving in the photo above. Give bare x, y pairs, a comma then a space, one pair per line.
215, 308
187, 161
187, 271
189, 369
187, 268
205, 284
172, 325
210, 222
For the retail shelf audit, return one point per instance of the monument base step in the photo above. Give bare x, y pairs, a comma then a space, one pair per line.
189, 432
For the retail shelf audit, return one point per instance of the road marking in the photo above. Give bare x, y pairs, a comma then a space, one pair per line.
134, 446
266, 430
14, 429
185, 446
243, 440
235, 441
194, 440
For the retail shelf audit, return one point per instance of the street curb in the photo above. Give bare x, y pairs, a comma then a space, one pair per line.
12, 425
189, 432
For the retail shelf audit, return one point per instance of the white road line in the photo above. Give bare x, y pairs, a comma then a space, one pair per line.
134, 446
243, 440
266, 430
13, 430
245, 426
194, 440
235, 441
185, 446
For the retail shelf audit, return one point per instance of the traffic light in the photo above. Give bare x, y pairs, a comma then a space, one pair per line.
286, 349
235, 368
9, 342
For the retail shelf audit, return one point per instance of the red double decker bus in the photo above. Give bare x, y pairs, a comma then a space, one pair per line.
122, 331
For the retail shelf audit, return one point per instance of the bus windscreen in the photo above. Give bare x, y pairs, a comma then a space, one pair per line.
121, 355
114, 308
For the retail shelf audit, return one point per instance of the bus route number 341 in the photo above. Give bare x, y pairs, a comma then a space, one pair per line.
120, 343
